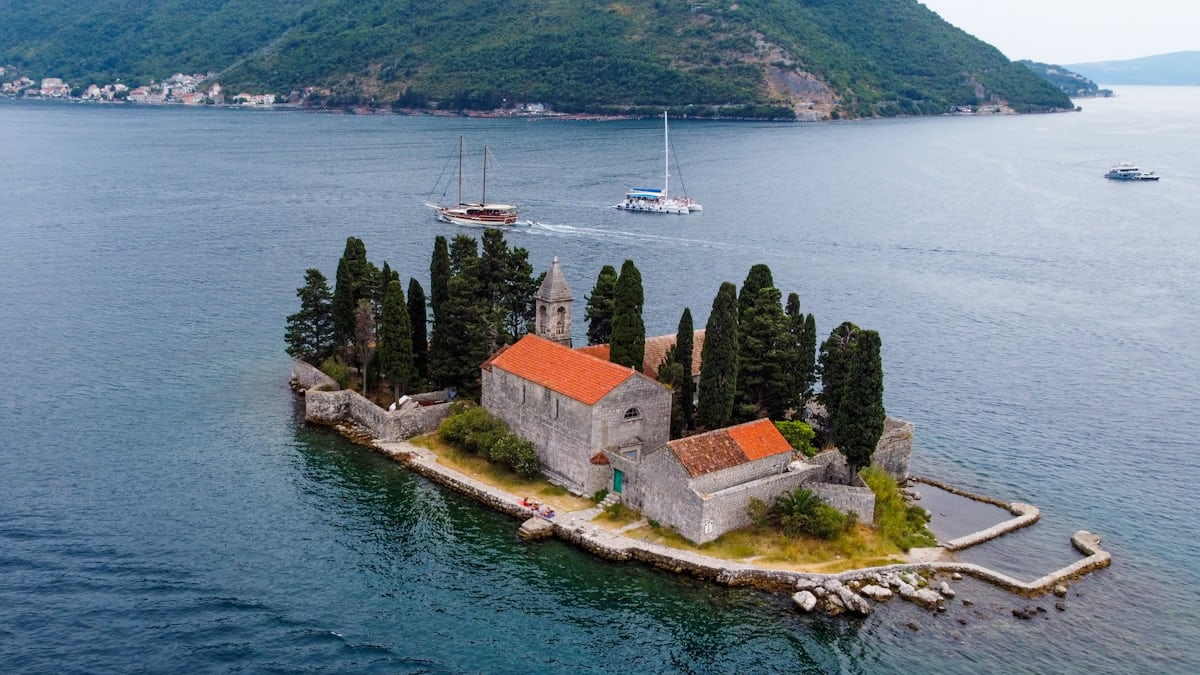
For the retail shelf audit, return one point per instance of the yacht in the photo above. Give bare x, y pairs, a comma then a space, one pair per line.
1127, 171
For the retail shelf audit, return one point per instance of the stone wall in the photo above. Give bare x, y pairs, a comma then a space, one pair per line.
333, 408
307, 376
857, 499
726, 510
894, 450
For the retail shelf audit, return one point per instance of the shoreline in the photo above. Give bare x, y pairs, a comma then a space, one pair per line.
575, 528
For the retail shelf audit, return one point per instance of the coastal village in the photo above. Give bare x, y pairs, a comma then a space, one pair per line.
179, 89
604, 430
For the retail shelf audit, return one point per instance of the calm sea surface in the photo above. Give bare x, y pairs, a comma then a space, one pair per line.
164, 508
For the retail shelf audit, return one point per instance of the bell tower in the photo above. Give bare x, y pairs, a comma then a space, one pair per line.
553, 307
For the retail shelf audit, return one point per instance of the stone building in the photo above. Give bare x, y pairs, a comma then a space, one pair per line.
574, 408
554, 307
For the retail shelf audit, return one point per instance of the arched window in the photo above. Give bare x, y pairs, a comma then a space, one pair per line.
561, 326
633, 414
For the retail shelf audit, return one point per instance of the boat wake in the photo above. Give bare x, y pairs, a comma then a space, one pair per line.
564, 229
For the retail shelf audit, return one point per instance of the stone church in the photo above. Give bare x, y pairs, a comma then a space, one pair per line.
599, 425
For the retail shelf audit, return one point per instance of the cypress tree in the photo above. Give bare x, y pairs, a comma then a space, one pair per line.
350, 286
719, 361
671, 373
860, 418
439, 276
628, 345
459, 346
417, 319
808, 357
599, 312
796, 372
464, 255
309, 332
364, 338
835, 364
762, 382
684, 341
395, 340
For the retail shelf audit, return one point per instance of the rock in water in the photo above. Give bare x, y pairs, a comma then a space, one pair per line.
1060, 590
535, 528
877, 593
805, 600
945, 590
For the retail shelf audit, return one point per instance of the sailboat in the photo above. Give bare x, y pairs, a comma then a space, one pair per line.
475, 213
653, 200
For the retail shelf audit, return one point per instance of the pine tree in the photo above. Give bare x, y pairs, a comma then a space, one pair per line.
628, 345
599, 312
684, 341
860, 417
395, 340
762, 382
794, 361
758, 278
464, 255
418, 320
309, 332
719, 361
835, 365
517, 298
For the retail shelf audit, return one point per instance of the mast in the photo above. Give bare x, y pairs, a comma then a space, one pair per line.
483, 200
666, 158
460, 159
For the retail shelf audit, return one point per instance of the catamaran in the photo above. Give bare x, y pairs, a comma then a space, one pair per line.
475, 213
654, 200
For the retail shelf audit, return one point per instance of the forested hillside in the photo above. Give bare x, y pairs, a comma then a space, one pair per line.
1072, 83
812, 58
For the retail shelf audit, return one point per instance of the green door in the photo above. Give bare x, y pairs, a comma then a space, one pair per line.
618, 480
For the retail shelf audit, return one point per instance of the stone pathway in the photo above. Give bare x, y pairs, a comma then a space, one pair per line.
576, 527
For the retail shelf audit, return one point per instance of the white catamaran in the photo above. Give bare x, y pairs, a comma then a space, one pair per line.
653, 200
475, 213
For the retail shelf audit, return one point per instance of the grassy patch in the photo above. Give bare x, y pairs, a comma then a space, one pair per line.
767, 547
618, 515
500, 476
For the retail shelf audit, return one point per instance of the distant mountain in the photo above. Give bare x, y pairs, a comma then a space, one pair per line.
1070, 82
765, 58
1177, 68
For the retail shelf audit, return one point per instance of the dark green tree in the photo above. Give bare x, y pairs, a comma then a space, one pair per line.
517, 298
808, 353
309, 332
684, 341
464, 255
836, 351
418, 320
395, 341
439, 276
628, 345
860, 417
719, 361
758, 278
762, 382
493, 268
351, 285
671, 373
599, 311
459, 345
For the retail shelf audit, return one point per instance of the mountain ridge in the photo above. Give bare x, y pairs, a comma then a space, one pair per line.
1171, 69
815, 59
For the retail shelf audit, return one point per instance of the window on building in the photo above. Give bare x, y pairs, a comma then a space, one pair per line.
555, 408
633, 414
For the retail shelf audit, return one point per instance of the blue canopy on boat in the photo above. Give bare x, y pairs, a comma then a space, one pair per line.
646, 193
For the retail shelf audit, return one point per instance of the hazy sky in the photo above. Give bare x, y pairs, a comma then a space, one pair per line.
1077, 31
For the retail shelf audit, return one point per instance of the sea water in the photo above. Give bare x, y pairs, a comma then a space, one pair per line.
164, 508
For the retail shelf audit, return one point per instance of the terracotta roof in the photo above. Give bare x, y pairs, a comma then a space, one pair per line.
726, 448
562, 369
656, 350
599, 459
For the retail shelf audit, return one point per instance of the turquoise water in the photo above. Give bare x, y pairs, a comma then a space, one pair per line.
163, 508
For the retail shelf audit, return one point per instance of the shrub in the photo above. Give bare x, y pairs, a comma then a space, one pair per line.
600, 495
339, 371
759, 512
801, 511
475, 430
799, 435
895, 520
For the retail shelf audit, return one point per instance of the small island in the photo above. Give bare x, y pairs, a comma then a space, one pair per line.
707, 451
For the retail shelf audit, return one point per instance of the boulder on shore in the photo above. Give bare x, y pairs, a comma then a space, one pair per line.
805, 600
